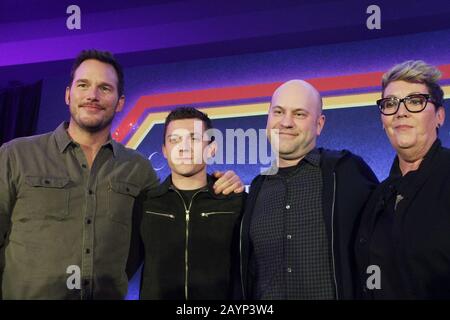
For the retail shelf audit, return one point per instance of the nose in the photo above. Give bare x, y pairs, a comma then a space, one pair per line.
402, 111
92, 94
185, 145
287, 121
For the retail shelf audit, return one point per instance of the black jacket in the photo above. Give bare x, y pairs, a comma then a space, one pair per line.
347, 184
423, 245
193, 254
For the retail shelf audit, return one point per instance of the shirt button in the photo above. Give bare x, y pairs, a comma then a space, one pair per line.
83, 166
288, 207
88, 251
47, 182
88, 221
362, 241
90, 192
289, 270
289, 237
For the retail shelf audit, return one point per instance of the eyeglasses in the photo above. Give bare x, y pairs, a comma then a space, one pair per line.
414, 103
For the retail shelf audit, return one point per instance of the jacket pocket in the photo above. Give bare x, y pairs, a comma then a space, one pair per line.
162, 215
121, 197
216, 213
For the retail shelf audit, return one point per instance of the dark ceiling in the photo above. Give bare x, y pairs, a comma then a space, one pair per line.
35, 42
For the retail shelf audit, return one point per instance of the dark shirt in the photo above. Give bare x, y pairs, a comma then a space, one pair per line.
291, 252
385, 246
187, 195
58, 218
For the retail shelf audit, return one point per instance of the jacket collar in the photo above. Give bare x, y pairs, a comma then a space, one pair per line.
424, 165
167, 186
390, 187
312, 157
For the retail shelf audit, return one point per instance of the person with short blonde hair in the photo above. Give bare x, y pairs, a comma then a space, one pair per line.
403, 235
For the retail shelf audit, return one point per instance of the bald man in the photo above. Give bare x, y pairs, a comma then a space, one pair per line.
298, 227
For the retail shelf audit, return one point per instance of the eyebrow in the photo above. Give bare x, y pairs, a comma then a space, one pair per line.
192, 134
101, 83
295, 110
409, 94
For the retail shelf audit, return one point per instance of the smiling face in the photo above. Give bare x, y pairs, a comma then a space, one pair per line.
93, 96
295, 113
184, 147
411, 134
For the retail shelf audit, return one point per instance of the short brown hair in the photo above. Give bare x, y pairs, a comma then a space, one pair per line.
181, 113
102, 56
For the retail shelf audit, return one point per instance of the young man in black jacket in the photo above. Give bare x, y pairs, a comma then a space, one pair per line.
299, 224
190, 234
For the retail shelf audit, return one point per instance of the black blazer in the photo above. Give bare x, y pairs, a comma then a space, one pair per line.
424, 244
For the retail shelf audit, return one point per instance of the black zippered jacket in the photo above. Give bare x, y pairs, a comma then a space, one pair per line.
190, 258
347, 184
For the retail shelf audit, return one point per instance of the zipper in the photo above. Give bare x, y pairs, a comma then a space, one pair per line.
207, 214
332, 235
240, 254
171, 216
187, 210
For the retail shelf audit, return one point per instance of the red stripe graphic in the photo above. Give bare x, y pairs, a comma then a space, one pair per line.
355, 81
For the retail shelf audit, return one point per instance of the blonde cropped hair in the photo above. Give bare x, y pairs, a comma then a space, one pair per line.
417, 71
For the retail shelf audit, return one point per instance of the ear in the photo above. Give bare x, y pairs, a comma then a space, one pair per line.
440, 116
164, 151
382, 122
120, 103
67, 96
320, 124
211, 149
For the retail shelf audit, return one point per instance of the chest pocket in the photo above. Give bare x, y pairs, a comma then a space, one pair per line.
161, 214
44, 197
121, 197
215, 213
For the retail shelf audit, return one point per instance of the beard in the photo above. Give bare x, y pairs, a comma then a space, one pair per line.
93, 127
91, 124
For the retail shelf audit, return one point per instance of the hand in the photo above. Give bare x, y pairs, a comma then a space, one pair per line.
227, 182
